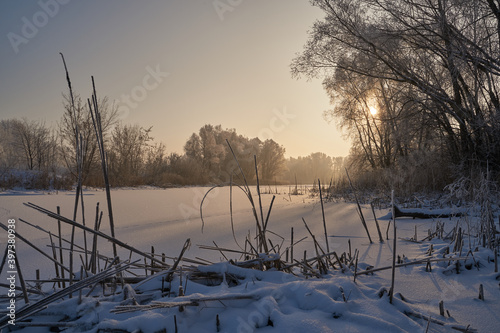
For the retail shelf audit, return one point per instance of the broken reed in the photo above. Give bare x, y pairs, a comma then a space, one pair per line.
360, 212
391, 292
323, 214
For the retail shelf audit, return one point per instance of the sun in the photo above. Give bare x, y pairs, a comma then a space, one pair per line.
373, 110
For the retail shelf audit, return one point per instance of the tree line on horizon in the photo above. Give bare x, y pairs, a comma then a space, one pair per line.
33, 155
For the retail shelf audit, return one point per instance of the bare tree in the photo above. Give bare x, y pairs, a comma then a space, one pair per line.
446, 53
127, 159
32, 142
75, 126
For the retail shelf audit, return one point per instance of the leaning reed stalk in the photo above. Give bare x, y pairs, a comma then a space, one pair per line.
231, 208
21, 279
97, 224
261, 229
79, 158
83, 219
54, 254
61, 258
362, 217
4, 257
393, 250
96, 120
381, 239
323, 213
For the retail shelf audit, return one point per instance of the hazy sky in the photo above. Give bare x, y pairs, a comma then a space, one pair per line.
174, 65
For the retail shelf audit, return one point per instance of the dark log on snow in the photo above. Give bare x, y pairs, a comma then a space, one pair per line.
420, 215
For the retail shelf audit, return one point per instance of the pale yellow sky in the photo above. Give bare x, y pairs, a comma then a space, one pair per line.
174, 65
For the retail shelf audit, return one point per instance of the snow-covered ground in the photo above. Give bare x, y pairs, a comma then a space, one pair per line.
273, 301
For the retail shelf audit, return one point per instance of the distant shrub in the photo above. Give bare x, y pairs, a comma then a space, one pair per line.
34, 180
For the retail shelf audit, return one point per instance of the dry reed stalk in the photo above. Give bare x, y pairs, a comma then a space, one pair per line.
189, 301
61, 258
231, 209
319, 246
258, 192
30, 290
381, 239
96, 120
356, 254
58, 324
274, 248
261, 229
60, 248
71, 273
152, 262
54, 255
21, 280
496, 258
78, 158
362, 217
79, 165
172, 269
438, 322
356, 267
316, 247
78, 249
207, 247
97, 225
417, 262
393, 274
269, 213
323, 213
255, 252
220, 251
428, 324
387, 231
84, 232
306, 267
349, 244
4, 260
